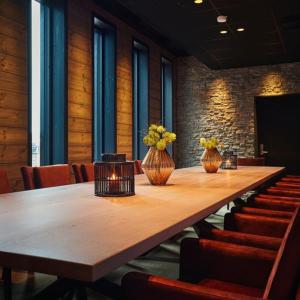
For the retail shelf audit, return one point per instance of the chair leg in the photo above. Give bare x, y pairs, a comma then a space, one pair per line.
6, 275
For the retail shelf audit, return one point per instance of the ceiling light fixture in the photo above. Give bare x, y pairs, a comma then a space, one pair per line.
222, 19
198, 1
223, 31
240, 29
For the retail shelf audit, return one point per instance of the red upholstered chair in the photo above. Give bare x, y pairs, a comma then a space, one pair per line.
251, 161
50, 176
208, 231
138, 167
273, 204
217, 270
254, 224
283, 192
28, 180
291, 179
6, 273
87, 171
4, 183
77, 173
288, 185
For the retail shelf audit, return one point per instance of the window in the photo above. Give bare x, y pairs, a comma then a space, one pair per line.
140, 98
167, 95
48, 83
104, 120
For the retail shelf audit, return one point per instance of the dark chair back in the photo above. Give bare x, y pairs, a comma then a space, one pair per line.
4, 183
251, 161
50, 176
87, 171
28, 180
284, 275
77, 173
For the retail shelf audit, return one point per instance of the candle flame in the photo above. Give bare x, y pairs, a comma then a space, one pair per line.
113, 177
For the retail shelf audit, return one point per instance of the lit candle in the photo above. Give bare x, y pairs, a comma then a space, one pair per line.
228, 163
113, 184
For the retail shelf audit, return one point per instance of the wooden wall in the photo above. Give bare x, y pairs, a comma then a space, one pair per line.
14, 83
80, 80
13, 89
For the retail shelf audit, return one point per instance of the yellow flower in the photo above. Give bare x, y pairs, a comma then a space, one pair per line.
161, 145
169, 137
153, 127
203, 142
161, 129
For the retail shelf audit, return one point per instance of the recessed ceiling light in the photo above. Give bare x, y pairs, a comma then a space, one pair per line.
222, 19
240, 29
198, 1
223, 31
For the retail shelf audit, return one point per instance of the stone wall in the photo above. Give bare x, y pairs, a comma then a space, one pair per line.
220, 103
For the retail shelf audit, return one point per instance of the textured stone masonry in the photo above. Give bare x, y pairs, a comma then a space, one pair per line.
220, 103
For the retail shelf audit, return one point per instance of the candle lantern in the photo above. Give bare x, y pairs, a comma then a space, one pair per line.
229, 160
114, 176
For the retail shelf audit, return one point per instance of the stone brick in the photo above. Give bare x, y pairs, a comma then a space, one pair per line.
220, 103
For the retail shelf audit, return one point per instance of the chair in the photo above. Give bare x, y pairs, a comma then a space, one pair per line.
28, 180
77, 173
6, 273
208, 231
283, 192
4, 183
291, 179
87, 171
138, 167
50, 176
251, 161
254, 224
218, 270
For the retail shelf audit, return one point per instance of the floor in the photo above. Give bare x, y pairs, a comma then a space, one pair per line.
163, 260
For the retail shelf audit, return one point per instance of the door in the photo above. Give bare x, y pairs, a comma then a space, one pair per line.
278, 130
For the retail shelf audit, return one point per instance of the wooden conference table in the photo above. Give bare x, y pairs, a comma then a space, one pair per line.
69, 232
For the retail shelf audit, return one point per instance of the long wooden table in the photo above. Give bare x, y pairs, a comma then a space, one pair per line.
69, 232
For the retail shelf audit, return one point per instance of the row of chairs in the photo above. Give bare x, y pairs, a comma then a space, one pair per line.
256, 256
85, 172
55, 175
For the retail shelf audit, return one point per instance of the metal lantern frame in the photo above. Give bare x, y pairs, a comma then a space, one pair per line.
230, 161
114, 178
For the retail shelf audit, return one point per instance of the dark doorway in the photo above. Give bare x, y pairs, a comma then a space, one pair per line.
278, 130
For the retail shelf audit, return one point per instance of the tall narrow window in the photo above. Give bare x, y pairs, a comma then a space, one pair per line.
48, 82
104, 120
35, 81
167, 95
140, 98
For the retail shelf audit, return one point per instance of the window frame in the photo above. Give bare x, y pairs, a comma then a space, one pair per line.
53, 83
135, 131
101, 143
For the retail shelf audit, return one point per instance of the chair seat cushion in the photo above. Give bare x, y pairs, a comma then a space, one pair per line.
231, 287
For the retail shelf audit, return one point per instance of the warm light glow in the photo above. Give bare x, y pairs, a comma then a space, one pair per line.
198, 1
113, 177
223, 31
240, 29
273, 83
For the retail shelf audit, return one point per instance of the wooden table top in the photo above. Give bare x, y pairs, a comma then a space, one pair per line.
69, 232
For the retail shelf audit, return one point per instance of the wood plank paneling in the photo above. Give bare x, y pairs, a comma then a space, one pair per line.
80, 79
79, 83
13, 89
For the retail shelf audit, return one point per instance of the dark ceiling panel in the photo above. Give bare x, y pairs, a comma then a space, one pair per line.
272, 28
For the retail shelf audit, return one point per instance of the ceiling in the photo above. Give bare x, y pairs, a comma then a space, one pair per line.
272, 28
